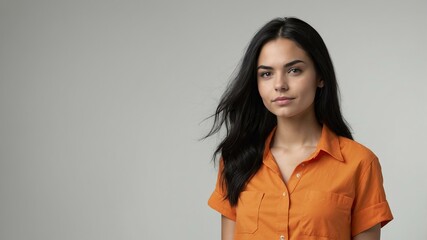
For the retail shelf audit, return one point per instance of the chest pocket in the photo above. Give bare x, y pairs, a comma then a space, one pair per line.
325, 214
247, 211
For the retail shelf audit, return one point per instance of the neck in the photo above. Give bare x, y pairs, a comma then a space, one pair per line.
302, 131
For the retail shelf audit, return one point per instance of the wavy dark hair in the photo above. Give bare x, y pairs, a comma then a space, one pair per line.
248, 123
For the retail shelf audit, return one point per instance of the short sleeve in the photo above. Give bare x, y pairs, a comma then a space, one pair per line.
217, 200
370, 206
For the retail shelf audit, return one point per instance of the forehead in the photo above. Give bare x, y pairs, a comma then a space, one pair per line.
280, 51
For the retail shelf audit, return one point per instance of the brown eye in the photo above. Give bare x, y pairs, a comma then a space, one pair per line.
294, 70
265, 74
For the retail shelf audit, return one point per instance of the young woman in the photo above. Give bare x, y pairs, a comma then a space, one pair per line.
289, 168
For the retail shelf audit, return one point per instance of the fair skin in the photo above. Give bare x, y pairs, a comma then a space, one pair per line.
287, 83
227, 228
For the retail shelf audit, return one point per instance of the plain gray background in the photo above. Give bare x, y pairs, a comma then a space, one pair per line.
102, 104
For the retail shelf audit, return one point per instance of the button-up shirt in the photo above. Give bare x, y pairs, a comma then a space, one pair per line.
336, 193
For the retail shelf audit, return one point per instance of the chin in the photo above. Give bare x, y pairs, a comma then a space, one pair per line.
291, 113
281, 114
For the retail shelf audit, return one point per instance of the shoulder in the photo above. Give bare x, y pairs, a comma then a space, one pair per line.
354, 152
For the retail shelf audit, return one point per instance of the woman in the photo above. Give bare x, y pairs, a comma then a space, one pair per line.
289, 168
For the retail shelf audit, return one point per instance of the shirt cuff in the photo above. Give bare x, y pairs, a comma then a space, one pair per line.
369, 217
218, 203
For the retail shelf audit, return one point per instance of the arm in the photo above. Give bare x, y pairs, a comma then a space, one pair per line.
227, 228
371, 234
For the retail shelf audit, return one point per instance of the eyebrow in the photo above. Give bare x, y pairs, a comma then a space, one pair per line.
289, 64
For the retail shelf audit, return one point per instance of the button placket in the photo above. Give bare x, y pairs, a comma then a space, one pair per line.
296, 177
282, 210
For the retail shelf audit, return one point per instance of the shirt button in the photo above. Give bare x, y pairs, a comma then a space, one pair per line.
282, 237
298, 175
284, 194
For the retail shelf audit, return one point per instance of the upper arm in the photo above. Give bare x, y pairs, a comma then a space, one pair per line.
227, 228
373, 233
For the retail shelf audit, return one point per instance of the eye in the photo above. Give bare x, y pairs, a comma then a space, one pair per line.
265, 74
294, 71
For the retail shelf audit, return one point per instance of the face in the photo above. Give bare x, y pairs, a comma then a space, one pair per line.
287, 79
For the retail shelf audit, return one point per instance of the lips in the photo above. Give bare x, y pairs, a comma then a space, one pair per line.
279, 99
282, 101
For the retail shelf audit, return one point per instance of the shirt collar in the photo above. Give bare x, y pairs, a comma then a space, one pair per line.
328, 143
267, 156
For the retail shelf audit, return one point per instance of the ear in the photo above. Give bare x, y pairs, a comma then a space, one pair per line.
320, 83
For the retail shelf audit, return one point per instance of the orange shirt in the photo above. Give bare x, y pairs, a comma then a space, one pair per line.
336, 193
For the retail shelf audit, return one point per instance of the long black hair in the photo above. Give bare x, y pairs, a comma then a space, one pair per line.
248, 123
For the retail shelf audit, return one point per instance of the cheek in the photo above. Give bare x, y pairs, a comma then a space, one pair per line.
263, 93
260, 90
308, 96
310, 91
309, 88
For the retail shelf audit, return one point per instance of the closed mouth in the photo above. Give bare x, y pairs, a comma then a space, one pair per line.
282, 99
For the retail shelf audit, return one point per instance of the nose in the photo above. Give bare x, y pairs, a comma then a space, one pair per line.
281, 83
